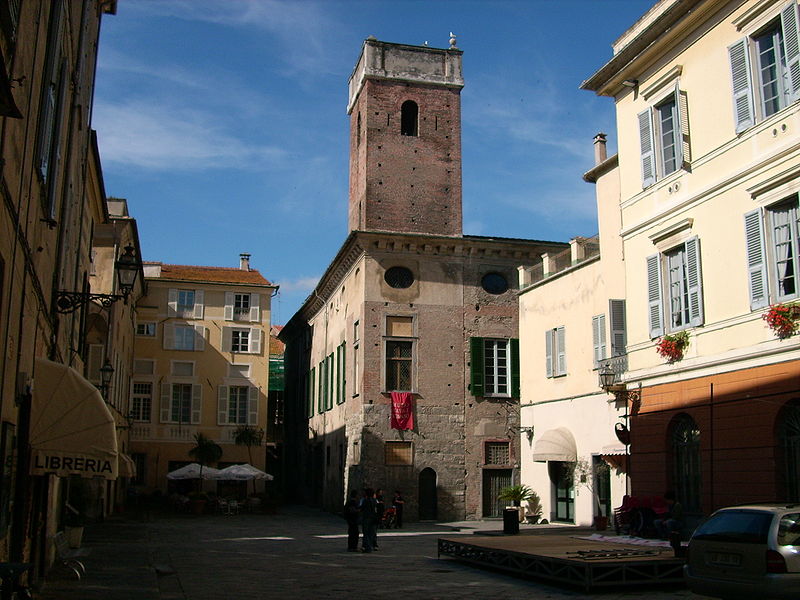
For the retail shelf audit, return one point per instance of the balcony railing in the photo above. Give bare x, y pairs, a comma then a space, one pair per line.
617, 364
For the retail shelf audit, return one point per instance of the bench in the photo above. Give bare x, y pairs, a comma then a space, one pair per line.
70, 557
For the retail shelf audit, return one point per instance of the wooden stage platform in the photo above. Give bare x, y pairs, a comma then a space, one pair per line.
566, 559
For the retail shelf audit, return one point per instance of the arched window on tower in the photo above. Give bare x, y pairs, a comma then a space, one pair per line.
409, 118
685, 449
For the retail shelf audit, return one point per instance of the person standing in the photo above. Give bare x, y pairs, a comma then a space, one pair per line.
369, 521
381, 505
398, 503
351, 514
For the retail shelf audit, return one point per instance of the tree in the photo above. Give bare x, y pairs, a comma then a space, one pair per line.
247, 435
205, 451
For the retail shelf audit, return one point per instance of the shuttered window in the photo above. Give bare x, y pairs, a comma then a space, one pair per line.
772, 244
599, 338
494, 367
765, 69
674, 289
619, 338
664, 137
555, 352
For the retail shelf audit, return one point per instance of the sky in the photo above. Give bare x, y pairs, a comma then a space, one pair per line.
224, 124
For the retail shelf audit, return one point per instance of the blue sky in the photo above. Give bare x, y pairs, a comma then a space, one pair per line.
223, 122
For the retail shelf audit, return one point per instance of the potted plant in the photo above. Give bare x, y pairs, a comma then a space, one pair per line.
517, 494
534, 510
672, 346
783, 319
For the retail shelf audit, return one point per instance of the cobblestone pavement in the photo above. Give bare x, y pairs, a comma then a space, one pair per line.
299, 553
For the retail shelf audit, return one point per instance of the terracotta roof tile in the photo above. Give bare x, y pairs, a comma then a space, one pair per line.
210, 274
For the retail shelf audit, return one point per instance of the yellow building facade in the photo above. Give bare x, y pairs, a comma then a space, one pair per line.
201, 366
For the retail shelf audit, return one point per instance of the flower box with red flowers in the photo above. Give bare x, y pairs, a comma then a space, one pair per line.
783, 319
672, 346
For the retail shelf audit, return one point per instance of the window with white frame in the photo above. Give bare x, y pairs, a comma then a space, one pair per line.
772, 243
555, 352
146, 329
244, 340
181, 336
238, 398
184, 337
765, 68
141, 401
675, 289
237, 405
663, 137
185, 304
241, 307
180, 408
494, 367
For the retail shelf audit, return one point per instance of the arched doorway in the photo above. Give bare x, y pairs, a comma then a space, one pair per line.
685, 450
427, 495
789, 438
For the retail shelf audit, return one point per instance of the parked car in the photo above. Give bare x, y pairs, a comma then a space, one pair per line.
746, 552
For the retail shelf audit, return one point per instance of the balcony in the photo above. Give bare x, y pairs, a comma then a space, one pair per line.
581, 249
618, 365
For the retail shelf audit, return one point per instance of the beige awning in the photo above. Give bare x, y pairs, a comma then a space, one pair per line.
555, 444
127, 467
72, 430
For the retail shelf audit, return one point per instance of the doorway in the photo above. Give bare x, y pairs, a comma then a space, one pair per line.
561, 476
427, 495
494, 480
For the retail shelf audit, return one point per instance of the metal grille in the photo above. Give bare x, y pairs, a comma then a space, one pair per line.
494, 480
399, 277
498, 453
398, 365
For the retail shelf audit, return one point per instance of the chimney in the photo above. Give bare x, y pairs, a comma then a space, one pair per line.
600, 152
244, 261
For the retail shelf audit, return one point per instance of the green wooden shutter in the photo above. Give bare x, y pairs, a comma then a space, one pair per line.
756, 259
648, 158
654, 311
791, 46
513, 344
476, 366
743, 109
694, 278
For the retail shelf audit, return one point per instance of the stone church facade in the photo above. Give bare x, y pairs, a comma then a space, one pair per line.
410, 312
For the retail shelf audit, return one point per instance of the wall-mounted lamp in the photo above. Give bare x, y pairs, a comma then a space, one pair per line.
106, 372
608, 382
630, 83
127, 268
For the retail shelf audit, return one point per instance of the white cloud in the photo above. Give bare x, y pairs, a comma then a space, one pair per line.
303, 284
156, 137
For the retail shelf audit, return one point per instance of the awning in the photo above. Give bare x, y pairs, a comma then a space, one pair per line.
127, 468
72, 430
555, 444
613, 450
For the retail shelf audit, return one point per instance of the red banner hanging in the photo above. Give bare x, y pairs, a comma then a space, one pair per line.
402, 410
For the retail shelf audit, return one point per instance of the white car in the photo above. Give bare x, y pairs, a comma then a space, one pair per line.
746, 552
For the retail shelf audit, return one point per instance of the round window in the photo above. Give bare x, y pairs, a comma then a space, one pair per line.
494, 283
399, 277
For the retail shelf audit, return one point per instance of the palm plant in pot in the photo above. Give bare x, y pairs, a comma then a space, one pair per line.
517, 494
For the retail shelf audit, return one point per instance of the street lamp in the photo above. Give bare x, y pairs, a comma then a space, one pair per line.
106, 372
126, 268
607, 377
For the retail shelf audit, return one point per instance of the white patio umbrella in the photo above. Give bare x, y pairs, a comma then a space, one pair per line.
244, 472
192, 471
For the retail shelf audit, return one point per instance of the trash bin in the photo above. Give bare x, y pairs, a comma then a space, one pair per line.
510, 521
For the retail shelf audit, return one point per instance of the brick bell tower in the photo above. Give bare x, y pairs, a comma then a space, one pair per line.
405, 139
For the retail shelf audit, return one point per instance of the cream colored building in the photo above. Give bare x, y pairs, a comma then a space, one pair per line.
200, 366
572, 322
709, 173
